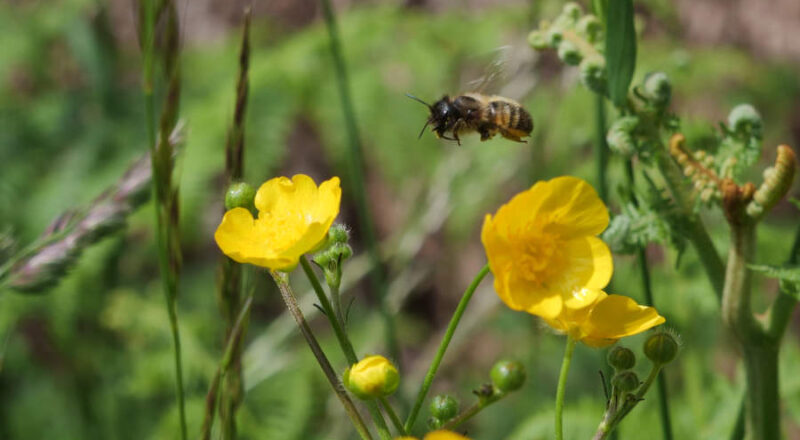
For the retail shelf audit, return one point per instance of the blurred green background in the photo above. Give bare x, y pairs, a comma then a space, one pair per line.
92, 357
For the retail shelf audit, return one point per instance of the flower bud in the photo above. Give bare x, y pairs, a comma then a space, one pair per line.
657, 89
240, 195
625, 381
572, 11
621, 358
374, 376
593, 74
444, 407
554, 37
537, 40
569, 53
620, 136
661, 347
745, 119
508, 375
433, 423
338, 233
590, 28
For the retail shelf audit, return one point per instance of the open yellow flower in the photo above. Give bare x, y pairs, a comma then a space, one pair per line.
293, 219
598, 319
542, 246
438, 435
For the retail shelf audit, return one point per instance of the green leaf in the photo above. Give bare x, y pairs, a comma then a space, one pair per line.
620, 49
784, 273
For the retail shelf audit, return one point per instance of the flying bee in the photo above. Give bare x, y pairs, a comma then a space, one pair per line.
476, 112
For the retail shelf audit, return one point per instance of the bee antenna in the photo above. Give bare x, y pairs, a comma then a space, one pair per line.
419, 100
423, 129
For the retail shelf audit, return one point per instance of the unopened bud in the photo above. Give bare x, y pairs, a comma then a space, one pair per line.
745, 119
538, 41
569, 53
508, 375
374, 376
338, 233
662, 347
625, 381
657, 89
621, 358
590, 28
572, 11
444, 407
593, 74
240, 195
620, 136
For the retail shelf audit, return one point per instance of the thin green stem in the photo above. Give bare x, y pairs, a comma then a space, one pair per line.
464, 416
344, 343
562, 386
398, 424
322, 360
601, 147
357, 180
448, 335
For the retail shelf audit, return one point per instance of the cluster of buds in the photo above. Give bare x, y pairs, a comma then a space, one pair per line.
578, 39
698, 166
332, 254
506, 376
777, 181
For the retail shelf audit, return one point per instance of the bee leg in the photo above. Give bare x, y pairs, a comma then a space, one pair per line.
512, 137
458, 141
486, 133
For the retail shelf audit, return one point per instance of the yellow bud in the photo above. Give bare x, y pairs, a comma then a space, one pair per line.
374, 376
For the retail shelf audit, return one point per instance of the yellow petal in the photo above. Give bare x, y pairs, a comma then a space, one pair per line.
521, 294
587, 263
444, 435
617, 316
574, 207
237, 235
498, 250
280, 194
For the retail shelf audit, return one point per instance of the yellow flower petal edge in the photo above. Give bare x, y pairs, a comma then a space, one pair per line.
542, 246
294, 216
598, 319
438, 435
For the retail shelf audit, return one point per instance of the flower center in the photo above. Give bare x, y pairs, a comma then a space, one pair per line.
537, 254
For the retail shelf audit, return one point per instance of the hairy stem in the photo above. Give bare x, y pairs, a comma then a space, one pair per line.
448, 336
322, 360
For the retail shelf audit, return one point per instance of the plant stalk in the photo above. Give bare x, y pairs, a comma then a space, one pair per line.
448, 336
562, 386
322, 360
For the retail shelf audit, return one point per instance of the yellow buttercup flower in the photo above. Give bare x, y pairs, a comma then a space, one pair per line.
374, 376
438, 435
542, 246
293, 219
598, 319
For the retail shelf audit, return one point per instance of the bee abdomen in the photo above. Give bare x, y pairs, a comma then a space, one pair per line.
507, 115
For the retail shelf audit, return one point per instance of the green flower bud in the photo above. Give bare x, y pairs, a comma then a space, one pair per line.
593, 74
374, 376
508, 375
554, 37
744, 119
537, 40
625, 381
444, 407
621, 358
620, 136
589, 27
338, 233
657, 89
662, 347
569, 53
572, 11
240, 195
433, 423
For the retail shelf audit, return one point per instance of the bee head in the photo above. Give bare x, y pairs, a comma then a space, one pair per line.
441, 112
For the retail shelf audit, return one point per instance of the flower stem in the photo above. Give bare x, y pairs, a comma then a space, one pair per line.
601, 147
398, 425
562, 385
344, 342
448, 335
357, 180
464, 416
327, 369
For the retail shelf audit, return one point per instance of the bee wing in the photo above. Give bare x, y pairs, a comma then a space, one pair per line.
494, 74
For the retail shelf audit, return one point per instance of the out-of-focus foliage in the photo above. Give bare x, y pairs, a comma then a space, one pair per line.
93, 359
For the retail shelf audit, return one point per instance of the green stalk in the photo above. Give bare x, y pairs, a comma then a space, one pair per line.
344, 343
448, 335
644, 272
398, 425
356, 168
601, 147
464, 416
327, 369
562, 386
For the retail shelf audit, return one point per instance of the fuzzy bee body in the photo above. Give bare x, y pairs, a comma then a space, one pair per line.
475, 112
